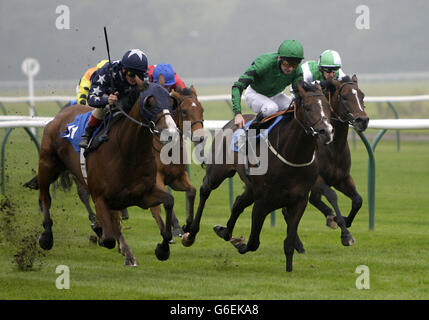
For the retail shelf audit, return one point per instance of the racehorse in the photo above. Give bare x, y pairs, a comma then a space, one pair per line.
121, 172
334, 160
175, 175
290, 175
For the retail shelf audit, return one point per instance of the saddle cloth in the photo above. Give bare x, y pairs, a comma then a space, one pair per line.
239, 136
75, 129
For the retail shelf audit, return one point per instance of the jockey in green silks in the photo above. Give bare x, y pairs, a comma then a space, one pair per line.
264, 81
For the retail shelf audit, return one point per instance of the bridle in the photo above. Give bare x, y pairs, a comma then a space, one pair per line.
350, 118
310, 129
151, 125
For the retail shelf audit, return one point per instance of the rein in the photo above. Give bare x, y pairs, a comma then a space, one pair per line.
309, 131
151, 125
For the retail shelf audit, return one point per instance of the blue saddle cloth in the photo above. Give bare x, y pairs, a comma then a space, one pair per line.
75, 129
241, 133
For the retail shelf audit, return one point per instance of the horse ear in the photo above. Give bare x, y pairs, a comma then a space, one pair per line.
175, 102
161, 80
355, 79
301, 90
176, 95
194, 92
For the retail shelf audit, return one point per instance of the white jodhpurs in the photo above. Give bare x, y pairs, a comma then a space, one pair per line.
258, 102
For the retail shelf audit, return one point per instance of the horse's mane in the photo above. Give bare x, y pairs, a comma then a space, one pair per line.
185, 91
309, 86
346, 79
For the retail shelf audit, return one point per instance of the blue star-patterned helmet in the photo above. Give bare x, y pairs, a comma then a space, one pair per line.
135, 59
167, 71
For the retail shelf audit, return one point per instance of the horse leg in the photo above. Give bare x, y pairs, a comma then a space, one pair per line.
259, 212
299, 246
108, 238
241, 202
48, 173
346, 237
124, 248
152, 199
292, 218
316, 200
83, 194
184, 184
348, 188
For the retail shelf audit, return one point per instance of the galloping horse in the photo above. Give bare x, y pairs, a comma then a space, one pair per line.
291, 173
335, 161
175, 174
121, 172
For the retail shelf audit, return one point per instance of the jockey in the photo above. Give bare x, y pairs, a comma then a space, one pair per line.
326, 68
265, 81
85, 83
172, 80
133, 63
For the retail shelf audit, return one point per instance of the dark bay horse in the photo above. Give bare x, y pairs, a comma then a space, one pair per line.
121, 172
175, 175
291, 173
335, 160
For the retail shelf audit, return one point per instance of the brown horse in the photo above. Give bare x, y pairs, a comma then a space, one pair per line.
335, 160
291, 172
175, 175
121, 172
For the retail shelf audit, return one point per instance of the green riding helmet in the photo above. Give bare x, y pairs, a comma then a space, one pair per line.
330, 59
291, 49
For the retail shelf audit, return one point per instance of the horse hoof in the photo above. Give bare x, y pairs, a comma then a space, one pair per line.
131, 262
242, 248
97, 229
300, 250
161, 253
330, 222
221, 232
348, 240
109, 243
178, 232
46, 241
187, 240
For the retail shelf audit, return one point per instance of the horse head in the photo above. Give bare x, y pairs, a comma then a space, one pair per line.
312, 111
347, 102
156, 108
190, 109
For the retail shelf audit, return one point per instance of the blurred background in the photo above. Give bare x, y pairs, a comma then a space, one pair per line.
213, 40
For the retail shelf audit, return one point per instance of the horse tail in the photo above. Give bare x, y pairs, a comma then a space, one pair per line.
64, 181
32, 184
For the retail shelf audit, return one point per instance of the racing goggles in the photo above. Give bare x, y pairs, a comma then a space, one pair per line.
132, 73
290, 62
330, 70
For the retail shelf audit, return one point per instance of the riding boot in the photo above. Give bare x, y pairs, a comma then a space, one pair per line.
257, 122
86, 136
